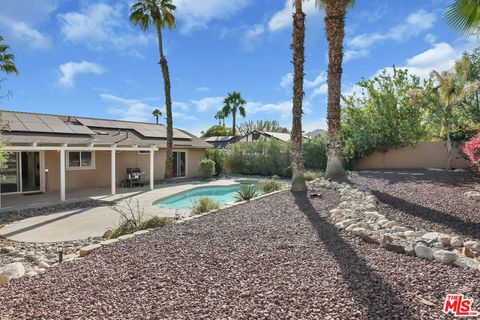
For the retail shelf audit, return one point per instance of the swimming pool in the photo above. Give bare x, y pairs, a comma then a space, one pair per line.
185, 200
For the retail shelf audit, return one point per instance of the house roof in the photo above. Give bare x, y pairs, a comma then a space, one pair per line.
28, 128
219, 138
278, 135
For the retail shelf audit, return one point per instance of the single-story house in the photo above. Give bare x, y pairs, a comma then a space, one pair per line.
54, 152
221, 141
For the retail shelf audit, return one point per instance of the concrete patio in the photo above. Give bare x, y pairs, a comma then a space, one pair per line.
88, 222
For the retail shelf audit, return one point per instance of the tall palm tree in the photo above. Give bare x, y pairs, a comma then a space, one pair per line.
7, 60
157, 114
233, 103
298, 47
335, 13
464, 16
220, 116
159, 13
451, 90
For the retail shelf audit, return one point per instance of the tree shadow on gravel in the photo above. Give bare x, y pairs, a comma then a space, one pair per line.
368, 288
464, 228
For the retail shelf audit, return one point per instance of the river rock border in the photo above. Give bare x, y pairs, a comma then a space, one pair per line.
357, 214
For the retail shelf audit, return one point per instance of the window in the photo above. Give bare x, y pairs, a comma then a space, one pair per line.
78, 160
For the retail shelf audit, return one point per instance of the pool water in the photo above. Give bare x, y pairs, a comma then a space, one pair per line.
185, 200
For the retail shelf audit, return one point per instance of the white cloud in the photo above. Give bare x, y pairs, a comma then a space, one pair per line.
323, 89
208, 103
251, 35
283, 18
127, 109
99, 25
322, 77
202, 89
282, 109
286, 81
179, 105
196, 14
20, 21
431, 38
441, 57
414, 25
71, 69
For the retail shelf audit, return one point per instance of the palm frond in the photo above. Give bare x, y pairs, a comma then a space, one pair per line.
464, 16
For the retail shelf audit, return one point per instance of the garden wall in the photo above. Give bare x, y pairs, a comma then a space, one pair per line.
422, 155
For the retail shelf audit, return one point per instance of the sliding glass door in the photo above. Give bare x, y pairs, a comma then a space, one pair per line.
179, 164
21, 173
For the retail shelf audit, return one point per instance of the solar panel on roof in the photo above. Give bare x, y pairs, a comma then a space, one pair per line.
80, 129
26, 117
17, 126
105, 123
9, 116
37, 127
50, 120
88, 122
62, 128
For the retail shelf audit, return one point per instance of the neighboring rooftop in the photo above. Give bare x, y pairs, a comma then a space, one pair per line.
28, 128
221, 141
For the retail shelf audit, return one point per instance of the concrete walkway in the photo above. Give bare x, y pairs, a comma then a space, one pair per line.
93, 222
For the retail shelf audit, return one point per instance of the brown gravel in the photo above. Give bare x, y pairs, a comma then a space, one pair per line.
429, 200
275, 258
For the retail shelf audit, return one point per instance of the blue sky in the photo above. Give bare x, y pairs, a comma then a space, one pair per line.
85, 58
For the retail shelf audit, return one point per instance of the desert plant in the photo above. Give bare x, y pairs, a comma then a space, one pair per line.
311, 175
218, 156
131, 216
207, 168
269, 186
246, 193
155, 222
204, 204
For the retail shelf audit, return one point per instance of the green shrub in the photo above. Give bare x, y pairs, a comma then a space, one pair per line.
311, 175
269, 186
155, 222
246, 193
207, 168
264, 158
218, 156
315, 153
204, 204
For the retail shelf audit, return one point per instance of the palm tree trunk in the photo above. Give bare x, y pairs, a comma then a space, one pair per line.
335, 30
298, 46
168, 106
234, 123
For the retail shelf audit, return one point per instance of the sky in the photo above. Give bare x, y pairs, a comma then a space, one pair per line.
84, 57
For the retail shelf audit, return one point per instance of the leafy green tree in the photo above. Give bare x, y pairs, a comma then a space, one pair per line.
298, 47
389, 113
217, 130
335, 13
159, 13
464, 16
157, 114
261, 125
233, 103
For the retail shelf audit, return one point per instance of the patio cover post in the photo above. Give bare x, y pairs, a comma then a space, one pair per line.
152, 176
113, 168
62, 174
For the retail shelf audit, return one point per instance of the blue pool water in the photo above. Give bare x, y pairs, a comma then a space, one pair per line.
185, 200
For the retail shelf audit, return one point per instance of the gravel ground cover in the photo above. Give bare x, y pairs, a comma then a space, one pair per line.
429, 200
275, 258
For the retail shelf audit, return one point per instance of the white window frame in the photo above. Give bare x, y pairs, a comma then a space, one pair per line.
69, 168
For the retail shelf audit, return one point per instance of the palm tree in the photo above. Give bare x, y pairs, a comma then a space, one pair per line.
159, 13
298, 46
335, 13
233, 103
464, 16
451, 90
220, 116
156, 114
7, 60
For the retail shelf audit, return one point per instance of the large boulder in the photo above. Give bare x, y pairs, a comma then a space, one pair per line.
11, 271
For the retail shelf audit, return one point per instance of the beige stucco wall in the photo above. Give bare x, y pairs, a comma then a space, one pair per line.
100, 176
422, 155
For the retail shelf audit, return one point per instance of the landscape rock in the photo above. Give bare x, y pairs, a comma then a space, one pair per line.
43, 264
11, 271
474, 245
456, 242
465, 262
88, 249
424, 252
430, 237
445, 256
444, 239
466, 251
395, 246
